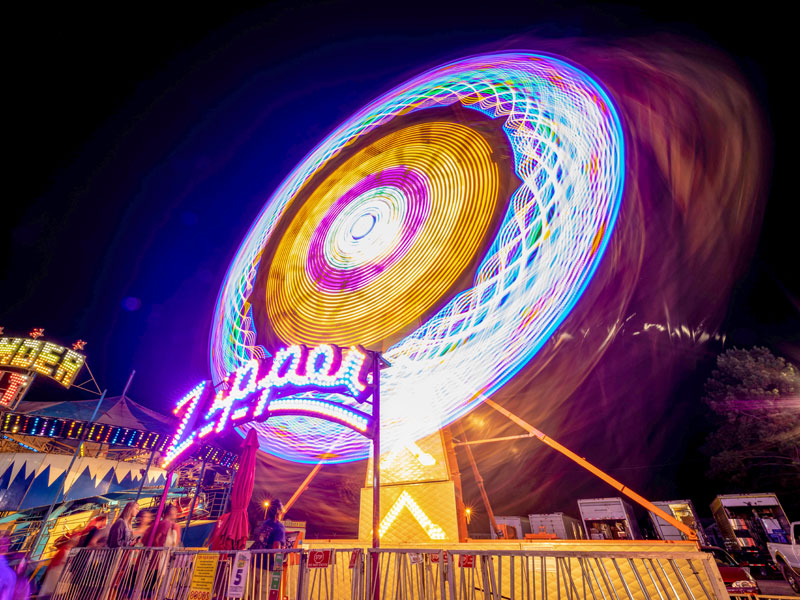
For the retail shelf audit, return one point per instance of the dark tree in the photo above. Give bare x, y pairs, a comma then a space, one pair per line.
755, 399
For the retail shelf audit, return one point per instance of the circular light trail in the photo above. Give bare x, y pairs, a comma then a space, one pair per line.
421, 200
371, 245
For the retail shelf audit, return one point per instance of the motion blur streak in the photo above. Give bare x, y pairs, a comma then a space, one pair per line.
610, 377
697, 162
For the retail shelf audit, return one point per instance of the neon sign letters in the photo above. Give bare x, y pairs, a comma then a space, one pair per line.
260, 389
45, 358
11, 385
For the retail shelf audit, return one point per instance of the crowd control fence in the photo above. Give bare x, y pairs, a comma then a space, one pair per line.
387, 574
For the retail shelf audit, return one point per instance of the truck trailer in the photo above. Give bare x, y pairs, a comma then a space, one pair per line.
683, 511
608, 519
557, 524
748, 522
513, 528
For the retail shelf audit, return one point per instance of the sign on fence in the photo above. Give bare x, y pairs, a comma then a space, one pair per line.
466, 561
238, 579
319, 559
205, 568
275, 578
354, 557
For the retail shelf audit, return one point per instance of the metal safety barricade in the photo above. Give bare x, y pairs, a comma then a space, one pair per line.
334, 574
396, 574
112, 574
235, 575
544, 575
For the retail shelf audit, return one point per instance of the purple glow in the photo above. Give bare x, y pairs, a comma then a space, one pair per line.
414, 189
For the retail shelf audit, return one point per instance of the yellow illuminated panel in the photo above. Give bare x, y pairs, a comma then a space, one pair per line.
8, 348
413, 513
45, 358
413, 462
48, 358
406, 501
26, 354
68, 368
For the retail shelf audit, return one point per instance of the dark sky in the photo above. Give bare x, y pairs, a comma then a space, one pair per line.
144, 141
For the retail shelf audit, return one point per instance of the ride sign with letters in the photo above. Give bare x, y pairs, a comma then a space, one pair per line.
278, 386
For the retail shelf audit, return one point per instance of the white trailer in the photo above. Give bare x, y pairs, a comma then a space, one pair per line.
559, 524
513, 526
608, 519
683, 511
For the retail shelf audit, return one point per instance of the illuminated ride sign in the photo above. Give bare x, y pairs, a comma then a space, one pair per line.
36, 357
278, 386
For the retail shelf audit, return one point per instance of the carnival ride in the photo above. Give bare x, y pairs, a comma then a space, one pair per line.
451, 225
80, 458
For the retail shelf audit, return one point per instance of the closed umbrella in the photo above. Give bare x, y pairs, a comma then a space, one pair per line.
232, 528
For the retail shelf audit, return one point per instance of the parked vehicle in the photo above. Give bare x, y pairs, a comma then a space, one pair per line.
787, 557
748, 522
737, 579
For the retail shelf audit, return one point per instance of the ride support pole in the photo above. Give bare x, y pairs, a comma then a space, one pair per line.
376, 472
64, 481
194, 500
690, 533
162, 502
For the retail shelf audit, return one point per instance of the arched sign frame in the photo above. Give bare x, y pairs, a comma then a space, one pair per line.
260, 389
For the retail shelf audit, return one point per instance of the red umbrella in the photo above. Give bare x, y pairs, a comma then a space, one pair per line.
232, 528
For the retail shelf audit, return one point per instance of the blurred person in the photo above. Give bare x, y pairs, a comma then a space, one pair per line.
168, 532
167, 535
8, 579
121, 533
143, 527
55, 567
22, 589
85, 579
269, 535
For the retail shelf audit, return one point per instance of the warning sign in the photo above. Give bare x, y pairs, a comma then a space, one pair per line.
202, 584
318, 559
466, 561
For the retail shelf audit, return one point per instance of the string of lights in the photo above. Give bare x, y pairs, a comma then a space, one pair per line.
102, 433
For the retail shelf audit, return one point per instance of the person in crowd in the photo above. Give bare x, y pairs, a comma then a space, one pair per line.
143, 527
271, 534
168, 532
85, 579
8, 579
22, 590
121, 533
63, 545
167, 535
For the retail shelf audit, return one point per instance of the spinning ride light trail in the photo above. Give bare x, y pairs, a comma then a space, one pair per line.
404, 230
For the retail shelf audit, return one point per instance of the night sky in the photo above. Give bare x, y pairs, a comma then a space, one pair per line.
145, 140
